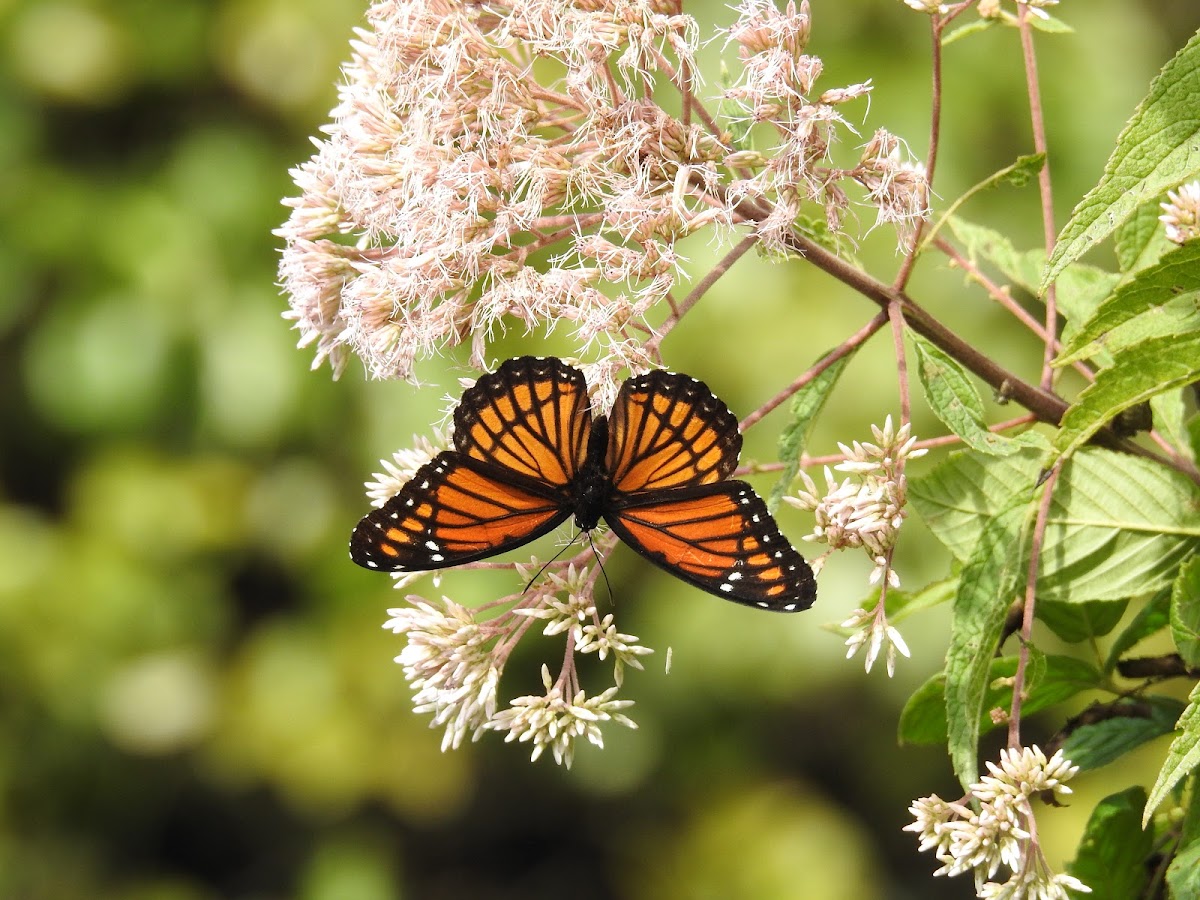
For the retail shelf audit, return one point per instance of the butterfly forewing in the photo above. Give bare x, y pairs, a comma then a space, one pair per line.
452, 513
529, 417
669, 431
722, 539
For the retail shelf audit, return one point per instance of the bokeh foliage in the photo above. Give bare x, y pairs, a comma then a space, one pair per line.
196, 699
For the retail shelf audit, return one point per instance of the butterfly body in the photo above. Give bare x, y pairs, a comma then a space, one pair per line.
529, 454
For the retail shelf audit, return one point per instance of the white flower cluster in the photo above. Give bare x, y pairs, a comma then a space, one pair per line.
453, 166
449, 664
871, 630
453, 661
865, 510
555, 722
1181, 214
1002, 831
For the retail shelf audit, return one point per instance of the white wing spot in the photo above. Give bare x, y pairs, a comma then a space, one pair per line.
763, 604
432, 545
437, 557
791, 607
727, 587
734, 576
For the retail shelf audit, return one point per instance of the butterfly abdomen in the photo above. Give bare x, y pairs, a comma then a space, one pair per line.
592, 488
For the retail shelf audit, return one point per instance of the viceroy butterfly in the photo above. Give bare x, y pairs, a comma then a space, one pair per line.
528, 454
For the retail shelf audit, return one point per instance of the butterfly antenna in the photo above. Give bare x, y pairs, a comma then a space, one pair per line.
600, 563
549, 562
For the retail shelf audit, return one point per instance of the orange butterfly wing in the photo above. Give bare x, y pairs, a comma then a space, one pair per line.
720, 538
520, 435
672, 445
668, 430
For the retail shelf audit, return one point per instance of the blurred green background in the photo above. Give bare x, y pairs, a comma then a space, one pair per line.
196, 698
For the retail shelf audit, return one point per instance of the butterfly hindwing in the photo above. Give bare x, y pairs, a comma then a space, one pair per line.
529, 417
668, 431
720, 538
453, 512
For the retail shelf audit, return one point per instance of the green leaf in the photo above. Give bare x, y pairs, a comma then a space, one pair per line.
1174, 278
1185, 612
923, 719
807, 404
954, 400
1019, 174
1141, 239
1156, 150
976, 26
1137, 374
989, 583
1113, 855
1075, 622
1119, 526
1098, 743
958, 496
1183, 875
1059, 678
1182, 757
1151, 619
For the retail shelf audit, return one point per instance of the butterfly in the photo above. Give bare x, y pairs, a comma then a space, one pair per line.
529, 453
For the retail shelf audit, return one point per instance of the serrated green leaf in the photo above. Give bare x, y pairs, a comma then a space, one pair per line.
955, 401
1058, 678
1097, 744
1118, 525
1174, 278
1113, 855
1170, 320
1074, 622
1136, 374
1183, 875
958, 496
1182, 757
1151, 619
807, 404
1185, 612
988, 585
1141, 240
1019, 174
1155, 151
